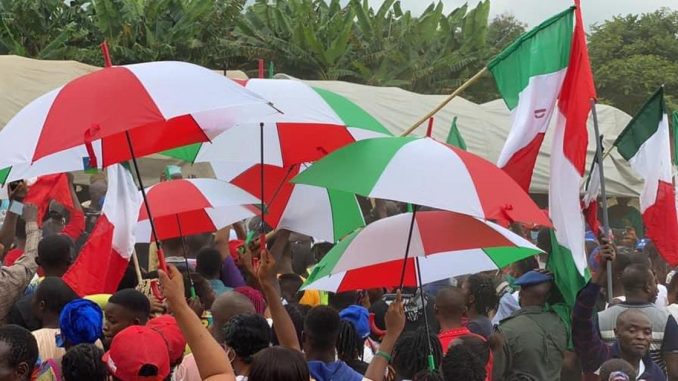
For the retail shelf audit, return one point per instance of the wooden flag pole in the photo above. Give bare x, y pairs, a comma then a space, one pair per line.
603, 193
447, 100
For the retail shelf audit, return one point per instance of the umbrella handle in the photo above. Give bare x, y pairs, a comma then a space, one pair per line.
162, 264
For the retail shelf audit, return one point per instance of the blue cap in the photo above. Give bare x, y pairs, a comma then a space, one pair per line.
532, 278
81, 321
359, 317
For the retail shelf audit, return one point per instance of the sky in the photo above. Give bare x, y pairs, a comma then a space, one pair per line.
533, 12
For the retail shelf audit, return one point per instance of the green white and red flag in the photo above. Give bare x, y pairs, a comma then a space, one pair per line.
645, 143
568, 260
529, 75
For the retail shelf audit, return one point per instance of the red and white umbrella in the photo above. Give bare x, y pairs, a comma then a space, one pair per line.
311, 125
192, 206
152, 106
443, 245
314, 211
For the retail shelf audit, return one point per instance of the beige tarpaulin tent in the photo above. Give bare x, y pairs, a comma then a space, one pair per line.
484, 127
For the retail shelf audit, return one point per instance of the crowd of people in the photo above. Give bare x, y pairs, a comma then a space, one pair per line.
226, 310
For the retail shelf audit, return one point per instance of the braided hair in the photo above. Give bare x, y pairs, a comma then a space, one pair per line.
247, 334
349, 343
485, 297
83, 362
410, 354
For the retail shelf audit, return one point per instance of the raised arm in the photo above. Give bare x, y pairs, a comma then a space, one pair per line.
588, 344
395, 323
284, 328
208, 354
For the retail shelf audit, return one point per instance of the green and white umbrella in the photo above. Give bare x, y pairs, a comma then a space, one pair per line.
425, 172
443, 245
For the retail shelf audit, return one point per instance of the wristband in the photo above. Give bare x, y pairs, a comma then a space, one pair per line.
384, 355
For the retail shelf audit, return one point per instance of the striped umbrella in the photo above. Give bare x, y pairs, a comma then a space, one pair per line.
313, 123
443, 245
192, 206
425, 172
318, 212
113, 114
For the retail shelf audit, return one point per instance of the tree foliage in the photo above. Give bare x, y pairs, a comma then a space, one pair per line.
633, 55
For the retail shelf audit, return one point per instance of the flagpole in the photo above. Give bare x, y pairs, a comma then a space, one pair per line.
603, 193
447, 100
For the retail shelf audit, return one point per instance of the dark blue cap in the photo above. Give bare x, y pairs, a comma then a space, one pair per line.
532, 278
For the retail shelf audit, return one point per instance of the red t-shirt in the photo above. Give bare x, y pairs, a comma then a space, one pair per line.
446, 337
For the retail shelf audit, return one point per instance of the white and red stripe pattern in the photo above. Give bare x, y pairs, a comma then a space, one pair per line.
444, 244
192, 206
162, 105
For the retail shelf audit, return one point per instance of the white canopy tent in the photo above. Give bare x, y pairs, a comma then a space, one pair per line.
484, 127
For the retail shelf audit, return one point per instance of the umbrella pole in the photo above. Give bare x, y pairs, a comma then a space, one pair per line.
188, 267
407, 247
161, 256
603, 193
262, 235
431, 360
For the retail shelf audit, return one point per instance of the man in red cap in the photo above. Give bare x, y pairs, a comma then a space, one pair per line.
138, 353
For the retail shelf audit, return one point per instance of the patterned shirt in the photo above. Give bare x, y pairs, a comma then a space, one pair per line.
15, 278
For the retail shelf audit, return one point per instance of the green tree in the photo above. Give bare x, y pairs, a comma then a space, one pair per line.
633, 55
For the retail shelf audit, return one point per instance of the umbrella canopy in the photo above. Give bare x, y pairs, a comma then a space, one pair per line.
192, 222
157, 106
318, 212
313, 122
443, 245
192, 206
425, 172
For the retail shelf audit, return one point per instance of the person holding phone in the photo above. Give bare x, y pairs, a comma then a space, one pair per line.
15, 278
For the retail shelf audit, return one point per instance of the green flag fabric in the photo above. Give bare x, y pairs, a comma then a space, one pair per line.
454, 137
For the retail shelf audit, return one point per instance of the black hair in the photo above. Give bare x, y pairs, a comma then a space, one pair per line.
247, 334
410, 353
477, 345
290, 284
197, 242
23, 348
321, 328
55, 293
279, 364
341, 300
485, 297
321, 249
636, 276
297, 313
208, 263
428, 375
349, 343
83, 362
55, 251
133, 301
544, 240
673, 284
616, 365
461, 364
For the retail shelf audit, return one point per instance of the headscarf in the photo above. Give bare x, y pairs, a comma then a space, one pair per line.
255, 297
81, 321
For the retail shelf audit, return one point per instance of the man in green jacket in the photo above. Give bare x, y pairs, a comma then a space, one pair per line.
534, 339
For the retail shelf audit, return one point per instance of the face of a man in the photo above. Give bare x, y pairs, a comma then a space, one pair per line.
634, 333
7, 372
117, 318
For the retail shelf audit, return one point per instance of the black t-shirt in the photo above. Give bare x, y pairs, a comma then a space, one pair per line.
21, 314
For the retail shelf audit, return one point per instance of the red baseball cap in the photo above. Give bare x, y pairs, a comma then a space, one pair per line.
134, 347
167, 327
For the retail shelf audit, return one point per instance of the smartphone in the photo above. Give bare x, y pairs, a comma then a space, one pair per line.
16, 207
